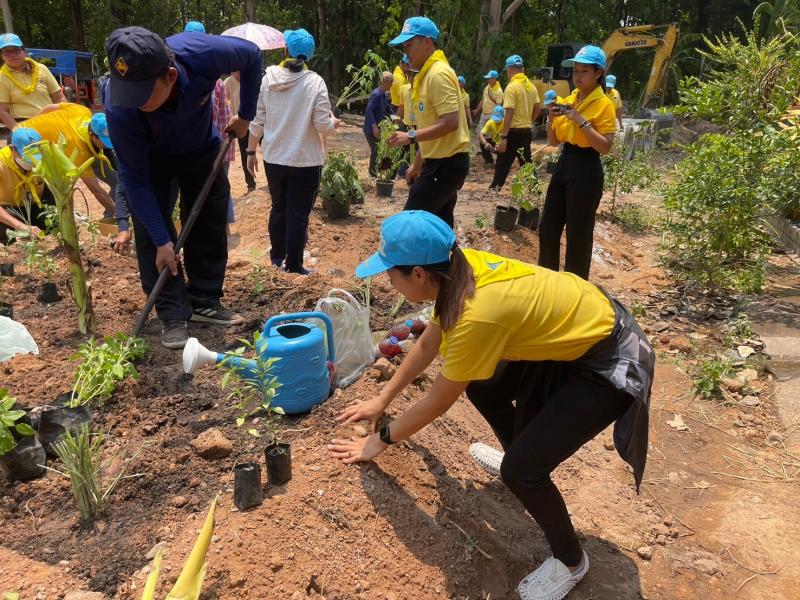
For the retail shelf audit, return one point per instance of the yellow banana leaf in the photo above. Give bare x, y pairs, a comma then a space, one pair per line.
152, 579
190, 581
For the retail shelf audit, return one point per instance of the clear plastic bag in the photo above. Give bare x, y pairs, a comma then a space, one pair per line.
15, 339
355, 350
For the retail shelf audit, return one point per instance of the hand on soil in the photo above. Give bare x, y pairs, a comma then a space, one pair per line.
353, 450
122, 245
360, 410
165, 257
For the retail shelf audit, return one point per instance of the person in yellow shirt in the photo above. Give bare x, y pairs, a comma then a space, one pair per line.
548, 359
409, 121
613, 95
490, 135
400, 75
465, 99
26, 86
20, 190
522, 107
87, 135
492, 97
585, 123
442, 163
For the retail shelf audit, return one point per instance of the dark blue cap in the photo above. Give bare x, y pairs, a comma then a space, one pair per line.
136, 57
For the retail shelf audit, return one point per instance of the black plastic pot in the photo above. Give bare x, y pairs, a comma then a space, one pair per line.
337, 209
49, 293
529, 218
7, 269
279, 463
247, 490
58, 419
337, 112
384, 188
505, 218
6, 310
551, 167
24, 461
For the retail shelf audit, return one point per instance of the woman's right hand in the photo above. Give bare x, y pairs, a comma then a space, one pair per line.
364, 410
252, 164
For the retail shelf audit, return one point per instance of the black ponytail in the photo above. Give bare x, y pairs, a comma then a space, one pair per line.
296, 64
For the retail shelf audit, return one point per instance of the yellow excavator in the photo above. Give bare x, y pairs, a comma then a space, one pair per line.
661, 37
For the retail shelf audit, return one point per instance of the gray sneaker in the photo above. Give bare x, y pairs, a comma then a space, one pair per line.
218, 315
174, 334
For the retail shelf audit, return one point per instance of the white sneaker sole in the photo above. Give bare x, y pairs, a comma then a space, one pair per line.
561, 590
487, 457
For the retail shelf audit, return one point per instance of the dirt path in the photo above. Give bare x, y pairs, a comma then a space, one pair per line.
716, 517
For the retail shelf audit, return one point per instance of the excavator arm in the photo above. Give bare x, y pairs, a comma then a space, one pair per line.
643, 36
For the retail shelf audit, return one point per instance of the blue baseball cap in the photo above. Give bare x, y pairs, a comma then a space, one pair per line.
22, 137
410, 238
137, 57
99, 126
10, 39
415, 26
491, 74
405, 59
611, 80
461, 80
498, 113
299, 43
588, 55
195, 27
515, 60
550, 97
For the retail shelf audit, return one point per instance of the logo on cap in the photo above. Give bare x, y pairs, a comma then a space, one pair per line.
121, 66
406, 27
382, 247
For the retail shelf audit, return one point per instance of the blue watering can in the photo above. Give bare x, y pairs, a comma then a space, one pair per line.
303, 369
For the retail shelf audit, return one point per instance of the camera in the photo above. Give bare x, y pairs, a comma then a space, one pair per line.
561, 109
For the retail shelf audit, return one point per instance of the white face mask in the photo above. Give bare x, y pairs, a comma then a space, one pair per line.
22, 163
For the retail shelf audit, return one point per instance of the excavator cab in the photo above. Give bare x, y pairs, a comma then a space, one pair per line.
553, 76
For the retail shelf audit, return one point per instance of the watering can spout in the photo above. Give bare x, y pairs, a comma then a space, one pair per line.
195, 355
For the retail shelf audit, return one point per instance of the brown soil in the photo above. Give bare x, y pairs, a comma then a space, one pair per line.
423, 521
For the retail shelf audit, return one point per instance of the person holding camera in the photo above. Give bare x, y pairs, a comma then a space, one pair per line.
585, 123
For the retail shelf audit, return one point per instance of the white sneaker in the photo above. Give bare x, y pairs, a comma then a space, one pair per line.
487, 457
552, 580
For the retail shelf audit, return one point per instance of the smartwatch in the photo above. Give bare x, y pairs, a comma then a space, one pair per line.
585, 124
412, 135
385, 435
250, 152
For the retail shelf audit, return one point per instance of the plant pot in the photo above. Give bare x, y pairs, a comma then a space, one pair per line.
384, 188
279, 463
6, 310
551, 167
247, 490
49, 293
57, 420
505, 218
337, 112
529, 218
337, 209
24, 461
7, 269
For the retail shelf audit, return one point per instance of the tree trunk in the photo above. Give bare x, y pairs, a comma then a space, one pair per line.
249, 11
78, 30
493, 25
8, 21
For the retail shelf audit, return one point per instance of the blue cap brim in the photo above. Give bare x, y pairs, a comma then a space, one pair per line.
130, 94
403, 37
571, 61
106, 141
374, 265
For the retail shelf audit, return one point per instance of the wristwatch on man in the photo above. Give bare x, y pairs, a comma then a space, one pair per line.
250, 152
385, 435
412, 134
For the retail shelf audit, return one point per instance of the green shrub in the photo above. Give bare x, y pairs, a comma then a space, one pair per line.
710, 373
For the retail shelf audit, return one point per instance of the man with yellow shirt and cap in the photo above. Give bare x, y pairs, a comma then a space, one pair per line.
613, 95
492, 97
88, 135
465, 99
400, 78
521, 104
490, 135
18, 184
441, 165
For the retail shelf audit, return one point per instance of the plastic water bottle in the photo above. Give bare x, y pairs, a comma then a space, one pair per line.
401, 330
418, 325
389, 347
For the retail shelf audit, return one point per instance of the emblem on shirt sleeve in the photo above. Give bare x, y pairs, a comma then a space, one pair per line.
421, 107
121, 66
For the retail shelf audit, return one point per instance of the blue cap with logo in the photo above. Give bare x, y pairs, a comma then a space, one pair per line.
22, 137
299, 43
10, 39
195, 27
515, 60
410, 238
498, 113
415, 26
550, 97
99, 126
611, 81
491, 75
588, 55
137, 57
461, 80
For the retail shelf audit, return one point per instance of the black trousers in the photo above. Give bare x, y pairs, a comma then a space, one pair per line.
248, 177
205, 254
486, 151
572, 199
436, 187
518, 138
373, 152
542, 412
293, 191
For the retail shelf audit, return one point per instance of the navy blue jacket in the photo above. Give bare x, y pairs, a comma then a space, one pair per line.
183, 127
378, 108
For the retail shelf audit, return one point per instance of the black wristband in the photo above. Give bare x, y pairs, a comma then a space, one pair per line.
386, 435
250, 152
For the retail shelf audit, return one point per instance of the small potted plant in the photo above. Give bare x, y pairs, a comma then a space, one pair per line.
21, 455
339, 186
526, 192
47, 266
552, 161
388, 159
6, 267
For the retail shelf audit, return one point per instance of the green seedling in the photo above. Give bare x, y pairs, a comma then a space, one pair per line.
339, 181
8, 421
388, 159
102, 366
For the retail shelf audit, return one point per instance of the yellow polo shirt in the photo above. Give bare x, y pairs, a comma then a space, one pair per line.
522, 312
521, 95
596, 108
491, 97
400, 80
11, 193
439, 95
493, 130
614, 96
408, 111
22, 105
465, 98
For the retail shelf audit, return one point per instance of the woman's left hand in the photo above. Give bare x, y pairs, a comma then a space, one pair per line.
353, 450
575, 117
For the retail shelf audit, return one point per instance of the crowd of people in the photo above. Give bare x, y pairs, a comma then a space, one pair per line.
548, 358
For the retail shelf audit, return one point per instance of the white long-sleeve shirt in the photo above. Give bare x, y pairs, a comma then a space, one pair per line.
293, 114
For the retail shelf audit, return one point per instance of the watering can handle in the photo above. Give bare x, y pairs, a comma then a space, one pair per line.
305, 315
